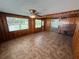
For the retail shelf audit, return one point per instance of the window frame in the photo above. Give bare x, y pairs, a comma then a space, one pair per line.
54, 23
20, 18
41, 23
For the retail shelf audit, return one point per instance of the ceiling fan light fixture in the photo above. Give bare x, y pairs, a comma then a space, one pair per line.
33, 16
33, 13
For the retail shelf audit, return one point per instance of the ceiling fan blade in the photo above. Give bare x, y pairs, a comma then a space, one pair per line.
35, 13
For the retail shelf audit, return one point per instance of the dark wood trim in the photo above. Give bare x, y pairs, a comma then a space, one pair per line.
13, 15
73, 13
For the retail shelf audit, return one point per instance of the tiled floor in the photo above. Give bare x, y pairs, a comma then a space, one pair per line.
43, 45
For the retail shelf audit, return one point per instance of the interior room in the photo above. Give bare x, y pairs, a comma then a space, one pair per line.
39, 29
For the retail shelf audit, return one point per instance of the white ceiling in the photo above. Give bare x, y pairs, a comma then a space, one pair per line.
21, 7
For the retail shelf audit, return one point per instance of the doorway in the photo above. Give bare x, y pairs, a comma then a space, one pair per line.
54, 25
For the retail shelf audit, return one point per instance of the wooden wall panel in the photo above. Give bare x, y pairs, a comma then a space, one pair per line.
47, 24
1, 34
67, 19
32, 25
67, 25
75, 42
4, 31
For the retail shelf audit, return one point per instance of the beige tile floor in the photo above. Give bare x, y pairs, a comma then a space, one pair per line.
43, 45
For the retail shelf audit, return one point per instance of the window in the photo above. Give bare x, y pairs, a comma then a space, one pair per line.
38, 23
55, 23
17, 23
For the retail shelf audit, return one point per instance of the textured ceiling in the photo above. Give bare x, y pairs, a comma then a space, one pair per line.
21, 7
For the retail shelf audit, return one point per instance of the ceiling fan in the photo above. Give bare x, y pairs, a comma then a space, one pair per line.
34, 13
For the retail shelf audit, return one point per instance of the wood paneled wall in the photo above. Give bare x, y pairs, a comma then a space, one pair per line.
67, 25
47, 24
5, 34
1, 29
75, 41
4, 31
67, 21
